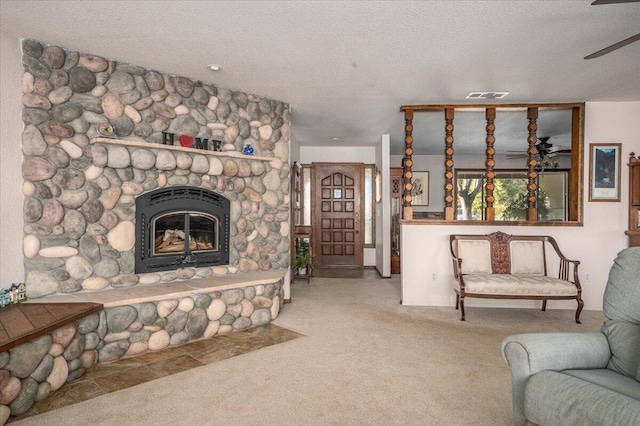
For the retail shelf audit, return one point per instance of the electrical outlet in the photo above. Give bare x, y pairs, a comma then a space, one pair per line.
587, 276
434, 276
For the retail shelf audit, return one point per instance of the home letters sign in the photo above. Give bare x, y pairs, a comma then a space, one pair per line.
191, 142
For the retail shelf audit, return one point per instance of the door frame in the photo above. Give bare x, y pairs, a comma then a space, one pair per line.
314, 220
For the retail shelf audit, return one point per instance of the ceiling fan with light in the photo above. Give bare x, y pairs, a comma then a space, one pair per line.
619, 44
546, 155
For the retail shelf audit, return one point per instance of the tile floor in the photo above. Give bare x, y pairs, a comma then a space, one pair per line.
111, 377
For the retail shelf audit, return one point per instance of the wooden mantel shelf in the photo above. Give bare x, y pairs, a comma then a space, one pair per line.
275, 162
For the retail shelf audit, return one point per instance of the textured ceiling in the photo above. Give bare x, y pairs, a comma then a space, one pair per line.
346, 67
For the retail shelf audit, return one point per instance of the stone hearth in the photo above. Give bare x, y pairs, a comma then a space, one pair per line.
135, 320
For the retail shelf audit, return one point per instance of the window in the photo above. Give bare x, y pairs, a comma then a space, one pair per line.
510, 195
369, 205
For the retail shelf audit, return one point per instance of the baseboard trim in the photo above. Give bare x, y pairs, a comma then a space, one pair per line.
379, 273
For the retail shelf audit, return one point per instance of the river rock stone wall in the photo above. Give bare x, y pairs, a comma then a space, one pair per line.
79, 204
31, 371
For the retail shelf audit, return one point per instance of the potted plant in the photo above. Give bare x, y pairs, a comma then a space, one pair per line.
304, 260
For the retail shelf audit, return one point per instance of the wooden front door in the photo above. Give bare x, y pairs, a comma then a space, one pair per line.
337, 208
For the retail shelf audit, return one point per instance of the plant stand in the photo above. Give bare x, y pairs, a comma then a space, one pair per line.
301, 233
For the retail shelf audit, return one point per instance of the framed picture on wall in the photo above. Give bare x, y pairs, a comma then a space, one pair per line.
604, 172
420, 189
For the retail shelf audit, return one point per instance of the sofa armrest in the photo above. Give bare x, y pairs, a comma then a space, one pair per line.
534, 352
527, 354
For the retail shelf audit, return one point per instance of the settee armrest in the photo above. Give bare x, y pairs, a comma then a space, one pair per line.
527, 354
565, 270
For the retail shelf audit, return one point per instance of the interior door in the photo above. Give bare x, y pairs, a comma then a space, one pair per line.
337, 206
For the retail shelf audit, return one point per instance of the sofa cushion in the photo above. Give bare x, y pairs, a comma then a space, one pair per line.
624, 341
527, 257
608, 379
475, 255
621, 305
556, 398
622, 292
518, 285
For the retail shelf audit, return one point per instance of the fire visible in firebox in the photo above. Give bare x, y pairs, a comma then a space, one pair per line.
173, 241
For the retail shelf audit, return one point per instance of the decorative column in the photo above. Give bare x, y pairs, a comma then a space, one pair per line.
490, 163
449, 211
532, 187
406, 164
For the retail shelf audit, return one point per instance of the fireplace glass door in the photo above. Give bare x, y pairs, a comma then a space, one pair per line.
180, 227
185, 232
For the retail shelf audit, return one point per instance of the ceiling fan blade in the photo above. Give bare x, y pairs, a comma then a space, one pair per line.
601, 2
613, 47
558, 148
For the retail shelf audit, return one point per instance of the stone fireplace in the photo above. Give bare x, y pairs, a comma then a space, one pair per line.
174, 242
95, 206
181, 226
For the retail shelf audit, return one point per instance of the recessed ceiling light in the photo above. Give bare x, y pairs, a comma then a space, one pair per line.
335, 138
214, 67
486, 95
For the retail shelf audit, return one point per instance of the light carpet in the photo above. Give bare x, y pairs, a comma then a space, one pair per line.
336, 272
364, 360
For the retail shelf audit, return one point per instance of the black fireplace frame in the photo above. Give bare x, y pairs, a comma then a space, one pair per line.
178, 199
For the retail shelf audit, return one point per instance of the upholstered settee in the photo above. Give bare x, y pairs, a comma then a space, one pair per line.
583, 378
502, 266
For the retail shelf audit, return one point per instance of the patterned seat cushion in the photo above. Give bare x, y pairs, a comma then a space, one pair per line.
518, 285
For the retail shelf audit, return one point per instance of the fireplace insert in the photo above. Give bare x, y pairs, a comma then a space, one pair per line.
181, 227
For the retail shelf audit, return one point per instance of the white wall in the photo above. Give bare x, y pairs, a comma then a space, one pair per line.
434, 164
342, 154
11, 269
425, 248
294, 155
294, 147
338, 154
383, 211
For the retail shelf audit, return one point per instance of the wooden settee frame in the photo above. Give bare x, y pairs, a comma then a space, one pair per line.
501, 264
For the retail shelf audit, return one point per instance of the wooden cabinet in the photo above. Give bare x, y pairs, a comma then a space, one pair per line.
634, 201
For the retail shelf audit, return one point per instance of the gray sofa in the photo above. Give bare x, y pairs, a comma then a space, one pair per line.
583, 378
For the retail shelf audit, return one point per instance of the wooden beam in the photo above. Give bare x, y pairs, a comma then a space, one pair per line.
449, 211
482, 107
407, 163
489, 211
532, 174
